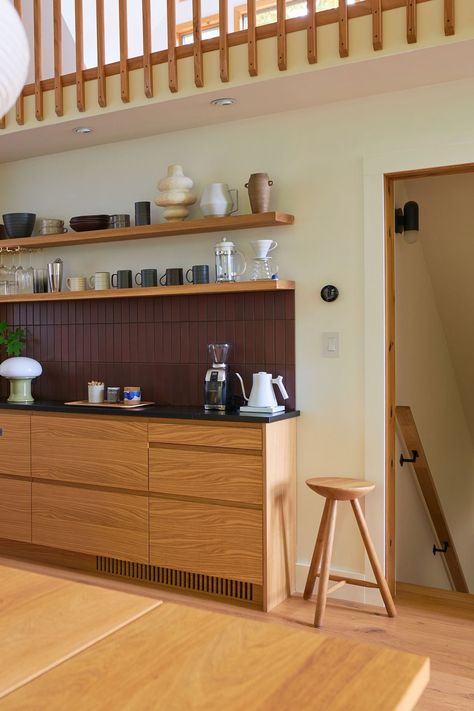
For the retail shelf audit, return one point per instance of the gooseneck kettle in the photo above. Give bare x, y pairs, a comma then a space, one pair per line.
262, 393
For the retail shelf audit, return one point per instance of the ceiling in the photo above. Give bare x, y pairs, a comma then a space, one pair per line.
422, 66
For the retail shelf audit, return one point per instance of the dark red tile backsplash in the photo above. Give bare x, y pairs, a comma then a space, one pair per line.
159, 343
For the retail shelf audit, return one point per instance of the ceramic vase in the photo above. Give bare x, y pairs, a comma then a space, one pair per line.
259, 192
175, 194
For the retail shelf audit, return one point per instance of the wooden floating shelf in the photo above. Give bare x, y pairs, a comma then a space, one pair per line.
170, 229
182, 290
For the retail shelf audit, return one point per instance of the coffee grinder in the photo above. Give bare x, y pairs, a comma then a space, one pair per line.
218, 380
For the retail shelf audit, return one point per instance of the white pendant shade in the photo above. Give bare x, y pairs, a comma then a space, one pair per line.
14, 56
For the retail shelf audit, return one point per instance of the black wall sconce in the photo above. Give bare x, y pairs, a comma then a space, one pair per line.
407, 221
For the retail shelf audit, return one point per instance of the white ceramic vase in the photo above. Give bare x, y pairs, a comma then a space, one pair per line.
175, 194
20, 372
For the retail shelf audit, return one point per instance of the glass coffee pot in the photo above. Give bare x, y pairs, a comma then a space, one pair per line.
227, 257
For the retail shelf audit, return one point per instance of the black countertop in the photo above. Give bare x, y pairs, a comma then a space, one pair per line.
178, 413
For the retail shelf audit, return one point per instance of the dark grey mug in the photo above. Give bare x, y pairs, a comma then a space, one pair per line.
199, 274
123, 279
147, 277
172, 277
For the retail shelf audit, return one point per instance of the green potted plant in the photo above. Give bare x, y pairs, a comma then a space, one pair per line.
19, 370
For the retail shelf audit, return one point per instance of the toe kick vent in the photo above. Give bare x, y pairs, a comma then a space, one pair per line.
179, 579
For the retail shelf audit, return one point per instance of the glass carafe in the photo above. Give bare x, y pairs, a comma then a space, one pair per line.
227, 257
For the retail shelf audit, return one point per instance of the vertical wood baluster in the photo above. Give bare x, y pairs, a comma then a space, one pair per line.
37, 59
20, 106
252, 37
2, 122
124, 80
79, 30
449, 17
281, 35
57, 33
311, 32
147, 65
172, 69
223, 42
197, 46
343, 29
377, 30
411, 21
101, 80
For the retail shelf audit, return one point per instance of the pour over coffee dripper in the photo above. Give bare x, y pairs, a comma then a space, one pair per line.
261, 267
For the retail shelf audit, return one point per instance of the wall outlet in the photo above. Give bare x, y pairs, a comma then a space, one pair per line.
331, 345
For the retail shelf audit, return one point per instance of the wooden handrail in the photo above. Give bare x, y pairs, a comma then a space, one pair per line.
412, 443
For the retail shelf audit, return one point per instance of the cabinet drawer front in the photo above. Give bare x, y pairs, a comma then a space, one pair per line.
15, 510
90, 451
206, 474
15, 451
208, 435
94, 522
207, 538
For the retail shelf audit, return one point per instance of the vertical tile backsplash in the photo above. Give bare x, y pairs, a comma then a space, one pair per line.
159, 343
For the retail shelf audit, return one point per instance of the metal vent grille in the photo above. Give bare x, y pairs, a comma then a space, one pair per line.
195, 582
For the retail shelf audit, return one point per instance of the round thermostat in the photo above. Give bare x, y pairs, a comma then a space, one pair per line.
329, 293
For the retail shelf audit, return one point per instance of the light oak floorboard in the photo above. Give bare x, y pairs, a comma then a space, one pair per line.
45, 620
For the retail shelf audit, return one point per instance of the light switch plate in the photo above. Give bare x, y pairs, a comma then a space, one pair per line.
331, 345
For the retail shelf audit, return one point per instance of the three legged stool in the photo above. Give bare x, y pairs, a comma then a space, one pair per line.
336, 489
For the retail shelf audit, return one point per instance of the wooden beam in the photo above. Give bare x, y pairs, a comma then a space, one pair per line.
57, 34
20, 104
377, 30
197, 46
172, 69
412, 441
252, 37
223, 41
281, 35
79, 31
37, 59
123, 28
311, 32
449, 17
147, 64
411, 21
101, 79
343, 29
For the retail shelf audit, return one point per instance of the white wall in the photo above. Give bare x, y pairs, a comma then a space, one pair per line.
315, 157
426, 381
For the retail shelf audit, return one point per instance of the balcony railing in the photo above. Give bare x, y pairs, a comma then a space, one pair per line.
76, 41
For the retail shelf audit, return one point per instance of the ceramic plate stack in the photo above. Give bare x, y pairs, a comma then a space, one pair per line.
84, 223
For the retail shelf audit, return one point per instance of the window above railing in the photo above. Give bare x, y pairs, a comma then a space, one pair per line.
76, 41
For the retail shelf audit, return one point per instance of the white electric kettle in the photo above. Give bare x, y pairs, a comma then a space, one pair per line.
262, 393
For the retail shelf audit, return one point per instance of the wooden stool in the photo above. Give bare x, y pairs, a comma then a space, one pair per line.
336, 489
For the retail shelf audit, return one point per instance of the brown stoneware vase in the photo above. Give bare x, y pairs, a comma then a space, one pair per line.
259, 191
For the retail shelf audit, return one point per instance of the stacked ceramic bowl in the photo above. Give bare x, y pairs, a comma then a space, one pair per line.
19, 224
85, 223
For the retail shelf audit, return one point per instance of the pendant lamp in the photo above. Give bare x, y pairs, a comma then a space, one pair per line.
14, 56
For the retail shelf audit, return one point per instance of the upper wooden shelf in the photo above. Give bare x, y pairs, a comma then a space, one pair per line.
169, 229
182, 290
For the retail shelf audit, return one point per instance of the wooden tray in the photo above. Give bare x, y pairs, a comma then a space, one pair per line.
86, 403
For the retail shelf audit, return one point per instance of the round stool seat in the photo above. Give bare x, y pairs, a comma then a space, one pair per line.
340, 488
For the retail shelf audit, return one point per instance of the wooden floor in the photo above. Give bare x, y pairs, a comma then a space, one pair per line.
440, 626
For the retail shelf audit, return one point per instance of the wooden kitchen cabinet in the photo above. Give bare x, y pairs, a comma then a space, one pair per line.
105, 451
209, 539
15, 510
15, 448
241, 436
97, 522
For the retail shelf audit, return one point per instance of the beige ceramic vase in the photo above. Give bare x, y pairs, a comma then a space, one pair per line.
259, 192
175, 194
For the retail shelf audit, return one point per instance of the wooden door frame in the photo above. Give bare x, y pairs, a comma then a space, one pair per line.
390, 345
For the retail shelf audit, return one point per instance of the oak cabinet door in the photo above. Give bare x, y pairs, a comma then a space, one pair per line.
15, 510
207, 435
224, 541
82, 450
15, 446
96, 522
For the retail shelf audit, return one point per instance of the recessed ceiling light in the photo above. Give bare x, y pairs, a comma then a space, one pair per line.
83, 129
223, 102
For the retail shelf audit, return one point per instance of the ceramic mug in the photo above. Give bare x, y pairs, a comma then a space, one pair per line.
123, 279
199, 274
172, 277
76, 283
100, 281
147, 277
